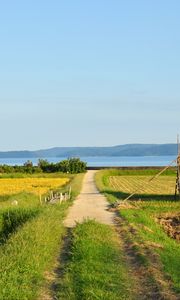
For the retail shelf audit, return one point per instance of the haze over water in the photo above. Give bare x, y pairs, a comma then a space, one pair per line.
105, 161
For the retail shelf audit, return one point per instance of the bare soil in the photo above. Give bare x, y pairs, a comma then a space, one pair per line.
171, 225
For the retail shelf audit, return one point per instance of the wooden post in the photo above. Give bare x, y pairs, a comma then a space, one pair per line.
177, 187
61, 197
69, 194
40, 199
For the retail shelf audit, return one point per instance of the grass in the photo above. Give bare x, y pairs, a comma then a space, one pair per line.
36, 175
141, 215
30, 251
137, 172
96, 269
163, 185
26, 199
76, 185
13, 218
143, 219
117, 185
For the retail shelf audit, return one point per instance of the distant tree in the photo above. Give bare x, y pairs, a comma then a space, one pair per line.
28, 167
72, 165
7, 169
43, 164
28, 163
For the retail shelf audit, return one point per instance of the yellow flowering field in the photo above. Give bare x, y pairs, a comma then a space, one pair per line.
38, 186
163, 185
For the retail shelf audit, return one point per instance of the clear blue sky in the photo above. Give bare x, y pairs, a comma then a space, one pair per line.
89, 73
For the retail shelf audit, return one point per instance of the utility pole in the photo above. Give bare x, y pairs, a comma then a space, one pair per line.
177, 187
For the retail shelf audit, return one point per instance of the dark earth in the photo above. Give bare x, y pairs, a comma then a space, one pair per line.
171, 225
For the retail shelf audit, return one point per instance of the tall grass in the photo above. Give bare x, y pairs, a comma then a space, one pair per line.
14, 218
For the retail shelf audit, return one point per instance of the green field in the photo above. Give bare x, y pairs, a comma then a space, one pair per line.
136, 259
31, 235
139, 218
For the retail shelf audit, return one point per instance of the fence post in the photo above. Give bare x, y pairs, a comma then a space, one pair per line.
69, 195
40, 199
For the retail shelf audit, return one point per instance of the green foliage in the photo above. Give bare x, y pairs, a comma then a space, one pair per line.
26, 168
71, 165
6, 169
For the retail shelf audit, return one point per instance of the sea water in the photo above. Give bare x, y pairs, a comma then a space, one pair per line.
102, 161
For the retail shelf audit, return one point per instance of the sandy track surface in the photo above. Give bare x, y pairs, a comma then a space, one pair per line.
90, 204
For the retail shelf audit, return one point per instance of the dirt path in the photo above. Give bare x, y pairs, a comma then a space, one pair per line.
144, 266
149, 279
89, 204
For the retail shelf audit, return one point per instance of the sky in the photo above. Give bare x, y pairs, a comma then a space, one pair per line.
88, 73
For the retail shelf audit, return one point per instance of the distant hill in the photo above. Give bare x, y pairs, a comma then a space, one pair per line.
121, 150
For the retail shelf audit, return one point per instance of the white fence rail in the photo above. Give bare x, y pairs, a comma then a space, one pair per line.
57, 197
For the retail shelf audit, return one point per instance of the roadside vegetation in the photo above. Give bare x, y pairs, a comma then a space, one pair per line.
141, 222
31, 232
96, 267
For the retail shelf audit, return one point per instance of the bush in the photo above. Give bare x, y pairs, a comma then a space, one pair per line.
76, 166
71, 165
28, 167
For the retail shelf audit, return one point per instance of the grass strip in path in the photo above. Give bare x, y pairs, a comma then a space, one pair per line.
96, 269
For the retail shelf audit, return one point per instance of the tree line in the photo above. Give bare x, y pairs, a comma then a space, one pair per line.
70, 165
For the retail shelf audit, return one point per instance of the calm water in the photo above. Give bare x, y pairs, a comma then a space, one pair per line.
129, 161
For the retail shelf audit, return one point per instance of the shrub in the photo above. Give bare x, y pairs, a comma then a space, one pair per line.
71, 165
